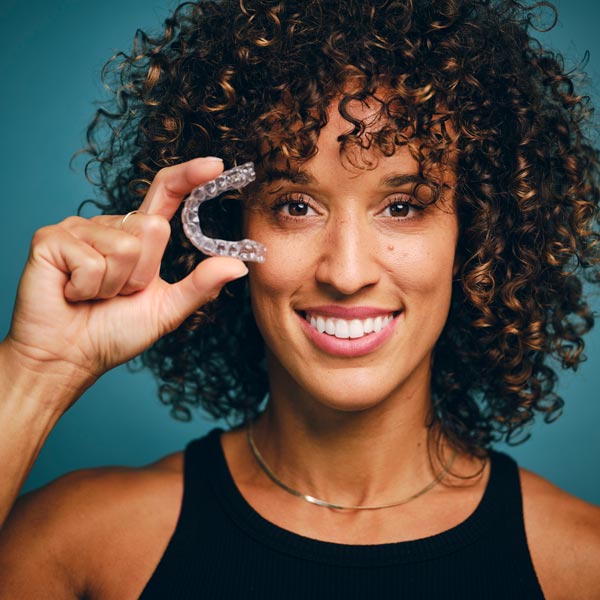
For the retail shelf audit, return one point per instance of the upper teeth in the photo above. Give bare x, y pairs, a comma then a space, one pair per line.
354, 328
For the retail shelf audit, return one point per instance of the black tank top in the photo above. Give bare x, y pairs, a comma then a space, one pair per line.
222, 548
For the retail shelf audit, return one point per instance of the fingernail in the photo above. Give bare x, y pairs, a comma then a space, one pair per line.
212, 159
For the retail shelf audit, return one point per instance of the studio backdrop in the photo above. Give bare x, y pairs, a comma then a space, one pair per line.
50, 61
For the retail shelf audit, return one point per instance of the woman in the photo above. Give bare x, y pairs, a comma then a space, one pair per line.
429, 202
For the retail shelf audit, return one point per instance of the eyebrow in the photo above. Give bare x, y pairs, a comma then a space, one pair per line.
296, 176
302, 177
392, 181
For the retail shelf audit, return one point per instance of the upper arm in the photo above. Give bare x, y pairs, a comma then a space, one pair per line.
91, 533
563, 534
35, 543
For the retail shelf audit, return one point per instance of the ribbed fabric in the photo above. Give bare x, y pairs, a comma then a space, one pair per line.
222, 548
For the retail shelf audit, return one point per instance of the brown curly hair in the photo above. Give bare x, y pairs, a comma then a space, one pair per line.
465, 82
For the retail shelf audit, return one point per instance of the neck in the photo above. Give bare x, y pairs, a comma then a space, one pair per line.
358, 457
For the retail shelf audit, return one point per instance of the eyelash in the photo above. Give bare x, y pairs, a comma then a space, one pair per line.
297, 198
287, 200
401, 201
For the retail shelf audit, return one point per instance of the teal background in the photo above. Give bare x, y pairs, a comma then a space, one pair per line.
51, 56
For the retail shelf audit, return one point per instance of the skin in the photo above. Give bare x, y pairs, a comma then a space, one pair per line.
350, 250
100, 533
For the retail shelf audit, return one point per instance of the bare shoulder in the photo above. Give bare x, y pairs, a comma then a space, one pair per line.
94, 532
563, 534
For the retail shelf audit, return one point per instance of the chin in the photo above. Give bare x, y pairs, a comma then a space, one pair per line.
350, 395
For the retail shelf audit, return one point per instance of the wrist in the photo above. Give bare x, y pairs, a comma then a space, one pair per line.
33, 397
47, 387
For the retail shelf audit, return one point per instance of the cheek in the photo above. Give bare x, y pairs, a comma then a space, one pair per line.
273, 286
287, 263
420, 266
286, 273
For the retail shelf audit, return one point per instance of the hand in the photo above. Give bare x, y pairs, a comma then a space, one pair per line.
91, 297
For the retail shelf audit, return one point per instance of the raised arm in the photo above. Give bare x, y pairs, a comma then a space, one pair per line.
91, 298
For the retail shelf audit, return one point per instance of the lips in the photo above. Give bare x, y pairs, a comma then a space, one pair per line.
348, 332
348, 328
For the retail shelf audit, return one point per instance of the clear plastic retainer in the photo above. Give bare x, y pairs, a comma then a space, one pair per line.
233, 179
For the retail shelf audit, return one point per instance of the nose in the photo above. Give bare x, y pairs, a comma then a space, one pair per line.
347, 258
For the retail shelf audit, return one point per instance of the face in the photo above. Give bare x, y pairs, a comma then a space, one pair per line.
356, 286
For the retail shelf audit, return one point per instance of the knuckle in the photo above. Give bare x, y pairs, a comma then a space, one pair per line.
161, 175
42, 234
94, 266
72, 221
157, 226
127, 246
100, 219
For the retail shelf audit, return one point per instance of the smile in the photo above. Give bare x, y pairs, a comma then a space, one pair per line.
348, 332
348, 328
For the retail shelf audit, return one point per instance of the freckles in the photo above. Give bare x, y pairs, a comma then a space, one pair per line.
283, 270
415, 267
399, 257
266, 278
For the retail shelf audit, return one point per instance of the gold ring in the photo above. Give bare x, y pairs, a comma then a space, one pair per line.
127, 216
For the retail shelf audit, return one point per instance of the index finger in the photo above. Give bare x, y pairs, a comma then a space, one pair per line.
171, 185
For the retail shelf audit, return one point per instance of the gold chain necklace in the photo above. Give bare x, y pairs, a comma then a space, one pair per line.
313, 500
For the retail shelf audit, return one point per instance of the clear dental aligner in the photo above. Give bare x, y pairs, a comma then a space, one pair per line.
233, 179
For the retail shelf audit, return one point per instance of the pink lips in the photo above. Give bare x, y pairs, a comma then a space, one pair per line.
343, 312
348, 347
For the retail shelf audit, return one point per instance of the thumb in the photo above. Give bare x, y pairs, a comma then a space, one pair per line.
202, 285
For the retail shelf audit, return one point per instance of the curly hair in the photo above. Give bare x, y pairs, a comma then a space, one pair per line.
466, 84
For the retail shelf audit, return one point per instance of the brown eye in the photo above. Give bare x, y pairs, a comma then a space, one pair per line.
399, 209
297, 209
294, 208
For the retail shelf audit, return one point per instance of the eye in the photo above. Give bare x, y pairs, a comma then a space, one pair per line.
297, 209
294, 206
401, 209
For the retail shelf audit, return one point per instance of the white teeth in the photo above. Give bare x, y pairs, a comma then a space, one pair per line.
377, 324
330, 326
356, 329
320, 324
344, 329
